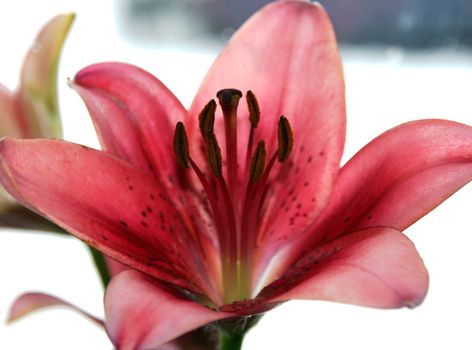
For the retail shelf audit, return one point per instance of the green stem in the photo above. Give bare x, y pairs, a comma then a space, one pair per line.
231, 341
233, 330
100, 265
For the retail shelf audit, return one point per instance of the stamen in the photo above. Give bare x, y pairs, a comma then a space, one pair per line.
253, 107
206, 118
258, 162
255, 191
250, 214
254, 116
214, 155
285, 139
236, 219
181, 145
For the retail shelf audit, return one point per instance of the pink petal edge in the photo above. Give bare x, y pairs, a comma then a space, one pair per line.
375, 267
399, 177
34, 301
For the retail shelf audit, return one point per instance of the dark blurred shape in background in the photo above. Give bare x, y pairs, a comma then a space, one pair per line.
404, 23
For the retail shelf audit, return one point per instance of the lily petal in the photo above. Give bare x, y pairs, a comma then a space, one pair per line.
105, 202
37, 96
399, 177
142, 314
287, 55
376, 267
31, 302
134, 114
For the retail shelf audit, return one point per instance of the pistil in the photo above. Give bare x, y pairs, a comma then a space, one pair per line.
229, 100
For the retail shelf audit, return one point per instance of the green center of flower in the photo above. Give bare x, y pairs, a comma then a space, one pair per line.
235, 206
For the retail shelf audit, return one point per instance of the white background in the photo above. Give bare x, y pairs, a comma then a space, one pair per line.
384, 88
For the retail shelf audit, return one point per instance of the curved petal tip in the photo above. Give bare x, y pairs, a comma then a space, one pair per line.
34, 301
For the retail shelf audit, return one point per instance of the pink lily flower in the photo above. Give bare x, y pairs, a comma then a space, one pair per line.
32, 110
227, 212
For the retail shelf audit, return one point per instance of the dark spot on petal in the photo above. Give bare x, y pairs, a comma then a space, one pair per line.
310, 158
322, 153
151, 196
347, 219
299, 205
144, 224
369, 217
130, 187
306, 184
149, 209
123, 223
143, 214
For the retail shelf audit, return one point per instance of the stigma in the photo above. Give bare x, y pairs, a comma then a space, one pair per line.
235, 204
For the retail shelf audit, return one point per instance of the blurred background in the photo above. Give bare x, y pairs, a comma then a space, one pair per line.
403, 60
414, 24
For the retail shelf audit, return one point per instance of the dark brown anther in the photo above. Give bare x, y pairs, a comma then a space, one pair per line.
214, 155
206, 118
181, 145
258, 162
285, 139
253, 107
